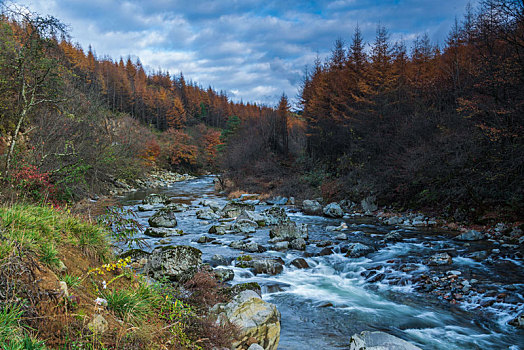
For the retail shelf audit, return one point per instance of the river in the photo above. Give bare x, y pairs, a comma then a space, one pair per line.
336, 297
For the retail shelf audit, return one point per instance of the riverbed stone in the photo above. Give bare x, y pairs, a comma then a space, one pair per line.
341, 237
207, 214
254, 318
211, 204
289, 231
234, 209
244, 226
177, 263
163, 218
224, 275
394, 220
281, 246
218, 229
275, 216
263, 265
177, 207
150, 207
298, 244
471, 235
333, 210
162, 232
358, 250
253, 216
154, 198
311, 207
300, 263
440, 259
379, 341
392, 236
279, 200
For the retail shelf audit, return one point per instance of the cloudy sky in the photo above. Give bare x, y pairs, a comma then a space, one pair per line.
253, 49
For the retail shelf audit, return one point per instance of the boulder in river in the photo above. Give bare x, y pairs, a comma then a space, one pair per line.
333, 210
234, 209
177, 263
358, 250
440, 259
277, 200
162, 232
275, 216
470, 235
177, 207
255, 319
211, 204
163, 218
218, 229
379, 341
251, 215
224, 275
298, 244
150, 207
261, 265
289, 231
207, 214
244, 226
300, 263
311, 207
154, 198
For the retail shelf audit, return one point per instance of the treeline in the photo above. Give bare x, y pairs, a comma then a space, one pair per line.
72, 123
430, 127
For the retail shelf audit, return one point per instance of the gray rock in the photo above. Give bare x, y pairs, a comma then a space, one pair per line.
298, 244
234, 209
379, 341
275, 216
281, 246
325, 251
394, 220
392, 236
153, 199
150, 207
207, 214
333, 210
253, 317
518, 321
255, 347
218, 259
211, 204
163, 218
289, 231
311, 207
223, 274
177, 263
440, 259
204, 239
218, 230
177, 207
162, 232
369, 204
471, 235
277, 201
244, 226
341, 237
358, 250
251, 215
263, 265
300, 263
98, 324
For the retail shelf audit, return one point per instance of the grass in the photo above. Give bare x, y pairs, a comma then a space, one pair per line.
133, 305
12, 335
42, 230
71, 281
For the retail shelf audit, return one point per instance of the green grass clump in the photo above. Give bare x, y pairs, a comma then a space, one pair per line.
43, 230
133, 305
71, 281
12, 335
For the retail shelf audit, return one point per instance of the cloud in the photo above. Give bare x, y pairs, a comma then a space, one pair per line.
253, 49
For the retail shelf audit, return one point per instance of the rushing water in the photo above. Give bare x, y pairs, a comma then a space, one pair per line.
324, 305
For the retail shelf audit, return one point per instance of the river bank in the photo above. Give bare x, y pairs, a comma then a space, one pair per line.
400, 271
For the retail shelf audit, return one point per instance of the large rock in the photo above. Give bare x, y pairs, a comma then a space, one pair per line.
311, 207
162, 232
251, 247
234, 209
244, 226
218, 229
155, 199
261, 265
289, 232
358, 250
150, 207
207, 214
211, 204
369, 204
333, 210
223, 274
255, 319
379, 341
177, 207
471, 235
251, 215
298, 244
163, 218
177, 263
277, 200
275, 216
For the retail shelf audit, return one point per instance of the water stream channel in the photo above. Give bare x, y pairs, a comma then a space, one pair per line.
336, 297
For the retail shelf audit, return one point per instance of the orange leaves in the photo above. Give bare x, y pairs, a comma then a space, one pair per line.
176, 115
180, 150
151, 152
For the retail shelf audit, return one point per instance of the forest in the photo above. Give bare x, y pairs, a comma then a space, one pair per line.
434, 127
